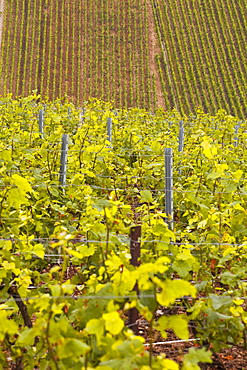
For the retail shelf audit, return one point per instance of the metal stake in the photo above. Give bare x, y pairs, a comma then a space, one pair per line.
168, 188
63, 159
109, 129
181, 137
235, 140
41, 123
81, 117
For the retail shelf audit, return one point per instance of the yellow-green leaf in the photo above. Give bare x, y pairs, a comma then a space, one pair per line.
113, 323
95, 326
177, 323
173, 289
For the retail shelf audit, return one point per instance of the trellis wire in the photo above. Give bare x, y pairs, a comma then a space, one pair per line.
108, 297
136, 190
135, 151
173, 341
81, 240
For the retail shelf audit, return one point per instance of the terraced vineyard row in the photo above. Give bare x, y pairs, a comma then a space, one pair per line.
177, 54
203, 52
79, 48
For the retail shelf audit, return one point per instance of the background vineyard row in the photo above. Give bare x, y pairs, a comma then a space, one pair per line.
178, 54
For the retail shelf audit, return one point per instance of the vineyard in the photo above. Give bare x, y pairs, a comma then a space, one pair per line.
79, 49
123, 184
69, 287
174, 54
203, 54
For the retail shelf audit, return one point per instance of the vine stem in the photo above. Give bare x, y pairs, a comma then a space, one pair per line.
48, 341
13, 291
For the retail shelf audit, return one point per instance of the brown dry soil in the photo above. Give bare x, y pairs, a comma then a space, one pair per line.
227, 359
234, 358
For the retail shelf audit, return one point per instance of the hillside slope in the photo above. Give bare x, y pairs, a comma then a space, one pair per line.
81, 48
179, 54
203, 52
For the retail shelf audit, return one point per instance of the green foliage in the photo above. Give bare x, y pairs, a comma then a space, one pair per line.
66, 250
194, 356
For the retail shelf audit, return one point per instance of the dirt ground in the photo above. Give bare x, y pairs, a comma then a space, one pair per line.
234, 358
